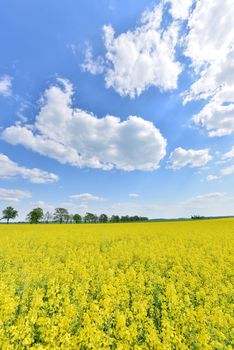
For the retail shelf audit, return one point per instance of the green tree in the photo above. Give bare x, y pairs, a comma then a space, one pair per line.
9, 213
124, 218
47, 217
90, 217
77, 218
115, 218
35, 215
61, 214
103, 218
68, 218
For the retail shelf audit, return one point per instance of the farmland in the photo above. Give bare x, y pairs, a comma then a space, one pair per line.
117, 286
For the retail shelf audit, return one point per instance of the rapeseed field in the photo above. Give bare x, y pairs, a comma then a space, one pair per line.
117, 286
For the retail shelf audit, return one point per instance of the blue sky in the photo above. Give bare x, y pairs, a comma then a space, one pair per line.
117, 107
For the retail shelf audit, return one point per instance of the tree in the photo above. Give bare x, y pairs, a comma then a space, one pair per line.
103, 218
197, 217
124, 218
71, 218
61, 214
115, 218
144, 218
89, 217
67, 218
77, 218
9, 213
47, 217
35, 215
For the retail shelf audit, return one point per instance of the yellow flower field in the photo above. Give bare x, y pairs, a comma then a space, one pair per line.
117, 286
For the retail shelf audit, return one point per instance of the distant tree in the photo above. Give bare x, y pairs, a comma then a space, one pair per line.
143, 218
35, 215
67, 218
61, 215
124, 218
197, 217
134, 218
115, 218
9, 213
103, 218
77, 218
90, 218
47, 217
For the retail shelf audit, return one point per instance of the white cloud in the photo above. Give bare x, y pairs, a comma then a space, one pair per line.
44, 205
74, 208
210, 32
13, 195
212, 178
91, 66
213, 78
204, 200
86, 197
229, 154
208, 204
218, 117
82, 207
138, 59
133, 194
207, 196
228, 170
74, 136
142, 58
10, 169
180, 158
212, 204
5, 85
209, 45
225, 171
180, 9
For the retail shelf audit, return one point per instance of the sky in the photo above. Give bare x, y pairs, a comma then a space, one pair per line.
117, 107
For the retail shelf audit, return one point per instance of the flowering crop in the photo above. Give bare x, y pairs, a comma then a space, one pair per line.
117, 286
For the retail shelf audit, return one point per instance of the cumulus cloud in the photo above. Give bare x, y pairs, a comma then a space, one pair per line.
13, 195
74, 136
218, 114
144, 57
5, 85
10, 169
180, 9
181, 157
210, 32
86, 197
209, 45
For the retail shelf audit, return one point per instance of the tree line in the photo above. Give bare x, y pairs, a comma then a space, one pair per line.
61, 215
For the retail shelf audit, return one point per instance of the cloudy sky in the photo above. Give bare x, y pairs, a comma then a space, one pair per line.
123, 107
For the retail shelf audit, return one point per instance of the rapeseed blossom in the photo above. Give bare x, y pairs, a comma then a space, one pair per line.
117, 286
